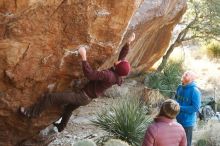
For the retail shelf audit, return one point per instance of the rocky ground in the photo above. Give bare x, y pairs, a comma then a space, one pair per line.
79, 126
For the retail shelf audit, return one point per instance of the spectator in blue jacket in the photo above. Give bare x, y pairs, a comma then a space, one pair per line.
189, 98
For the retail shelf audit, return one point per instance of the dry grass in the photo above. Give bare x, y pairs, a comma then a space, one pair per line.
153, 99
152, 96
209, 133
213, 50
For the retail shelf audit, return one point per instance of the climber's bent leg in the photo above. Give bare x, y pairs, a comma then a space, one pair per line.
55, 99
82, 99
65, 117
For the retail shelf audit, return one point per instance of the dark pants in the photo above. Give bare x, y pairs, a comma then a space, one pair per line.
188, 131
71, 101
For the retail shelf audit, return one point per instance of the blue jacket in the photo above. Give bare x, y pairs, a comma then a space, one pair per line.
189, 98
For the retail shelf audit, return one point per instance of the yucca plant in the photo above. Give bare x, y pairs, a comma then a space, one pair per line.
126, 120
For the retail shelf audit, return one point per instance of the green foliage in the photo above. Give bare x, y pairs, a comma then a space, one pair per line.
213, 49
116, 142
125, 120
167, 80
215, 4
205, 17
202, 142
200, 22
85, 142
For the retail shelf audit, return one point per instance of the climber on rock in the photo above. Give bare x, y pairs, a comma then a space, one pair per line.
99, 81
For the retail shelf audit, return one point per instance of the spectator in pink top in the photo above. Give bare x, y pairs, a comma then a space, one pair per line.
165, 131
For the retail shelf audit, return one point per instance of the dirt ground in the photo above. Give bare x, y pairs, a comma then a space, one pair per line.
79, 126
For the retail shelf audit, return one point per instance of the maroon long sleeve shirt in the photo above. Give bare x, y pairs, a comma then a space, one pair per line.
99, 81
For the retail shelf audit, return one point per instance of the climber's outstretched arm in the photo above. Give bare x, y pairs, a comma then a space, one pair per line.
90, 73
124, 51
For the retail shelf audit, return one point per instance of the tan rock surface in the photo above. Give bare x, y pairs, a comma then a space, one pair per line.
35, 33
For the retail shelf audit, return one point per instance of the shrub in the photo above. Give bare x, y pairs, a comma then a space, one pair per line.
115, 142
85, 142
167, 80
202, 142
125, 120
213, 49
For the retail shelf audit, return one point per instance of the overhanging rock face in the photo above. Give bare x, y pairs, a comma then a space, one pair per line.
34, 35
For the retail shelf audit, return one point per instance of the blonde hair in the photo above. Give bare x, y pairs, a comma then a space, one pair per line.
170, 108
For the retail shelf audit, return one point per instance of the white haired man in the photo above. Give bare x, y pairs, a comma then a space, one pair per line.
189, 98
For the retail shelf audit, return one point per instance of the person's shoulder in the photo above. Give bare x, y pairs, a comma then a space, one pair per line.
109, 73
179, 86
180, 127
177, 124
196, 89
153, 128
153, 125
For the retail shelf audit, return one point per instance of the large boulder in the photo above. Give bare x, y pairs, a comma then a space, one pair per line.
34, 35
